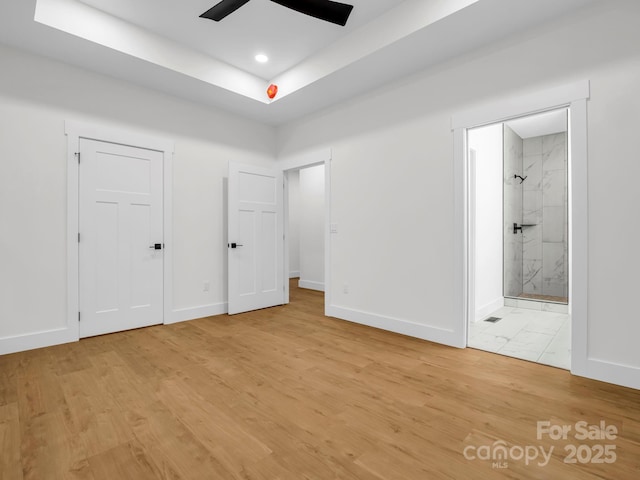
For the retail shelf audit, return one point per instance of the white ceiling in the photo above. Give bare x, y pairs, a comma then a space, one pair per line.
261, 26
541, 124
163, 45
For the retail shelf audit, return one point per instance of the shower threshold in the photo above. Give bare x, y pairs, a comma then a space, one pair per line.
543, 298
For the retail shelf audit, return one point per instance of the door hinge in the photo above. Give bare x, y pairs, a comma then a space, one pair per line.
78, 316
78, 237
77, 154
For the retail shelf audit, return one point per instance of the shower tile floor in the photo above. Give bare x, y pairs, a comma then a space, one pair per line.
537, 336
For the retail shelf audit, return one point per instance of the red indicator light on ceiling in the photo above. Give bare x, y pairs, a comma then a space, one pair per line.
272, 91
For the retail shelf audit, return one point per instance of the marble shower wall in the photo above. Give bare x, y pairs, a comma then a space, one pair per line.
513, 213
545, 245
535, 260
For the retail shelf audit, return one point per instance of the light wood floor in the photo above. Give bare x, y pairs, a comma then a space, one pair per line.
286, 393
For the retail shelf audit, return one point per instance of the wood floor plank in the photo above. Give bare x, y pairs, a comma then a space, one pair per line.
8, 384
49, 450
94, 415
287, 393
10, 457
172, 447
127, 462
219, 432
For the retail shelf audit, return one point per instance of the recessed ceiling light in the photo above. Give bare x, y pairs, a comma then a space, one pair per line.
261, 58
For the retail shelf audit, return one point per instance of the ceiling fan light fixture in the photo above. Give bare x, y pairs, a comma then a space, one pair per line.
261, 58
327, 10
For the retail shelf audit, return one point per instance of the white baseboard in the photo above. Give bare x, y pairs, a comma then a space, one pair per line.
609, 372
311, 285
294, 274
489, 308
49, 338
31, 341
404, 327
192, 313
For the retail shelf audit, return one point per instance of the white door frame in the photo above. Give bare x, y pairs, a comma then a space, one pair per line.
75, 131
309, 159
575, 97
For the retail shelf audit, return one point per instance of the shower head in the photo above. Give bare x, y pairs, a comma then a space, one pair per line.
522, 179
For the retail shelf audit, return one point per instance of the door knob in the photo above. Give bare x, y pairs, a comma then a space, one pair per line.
235, 245
156, 246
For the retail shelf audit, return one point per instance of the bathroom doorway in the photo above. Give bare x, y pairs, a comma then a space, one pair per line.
519, 181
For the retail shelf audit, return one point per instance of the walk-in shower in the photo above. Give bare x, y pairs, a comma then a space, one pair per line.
535, 216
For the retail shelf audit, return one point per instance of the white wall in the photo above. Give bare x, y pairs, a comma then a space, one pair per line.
392, 176
37, 96
487, 143
294, 223
312, 212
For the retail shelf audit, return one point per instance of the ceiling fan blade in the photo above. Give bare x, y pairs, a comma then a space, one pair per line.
222, 9
334, 12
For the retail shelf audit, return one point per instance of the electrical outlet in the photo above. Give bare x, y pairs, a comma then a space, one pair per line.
206, 286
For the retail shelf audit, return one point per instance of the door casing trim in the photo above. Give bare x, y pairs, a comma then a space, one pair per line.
575, 97
75, 131
309, 159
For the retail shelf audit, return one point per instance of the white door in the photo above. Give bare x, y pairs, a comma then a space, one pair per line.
256, 241
121, 245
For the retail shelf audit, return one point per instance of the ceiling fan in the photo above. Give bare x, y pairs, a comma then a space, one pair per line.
327, 10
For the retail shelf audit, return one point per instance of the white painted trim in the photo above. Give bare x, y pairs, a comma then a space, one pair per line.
31, 341
462, 306
285, 229
575, 97
193, 313
319, 286
486, 310
168, 230
294, 274
517, 105
119, 135
578, 236
610, 372
73, 227
327, 232
396, 325
471, 254
75, 131
306, 159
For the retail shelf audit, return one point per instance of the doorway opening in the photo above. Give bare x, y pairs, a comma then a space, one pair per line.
305, 224
258, 231
518, 178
